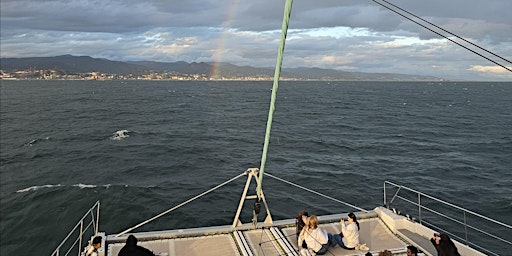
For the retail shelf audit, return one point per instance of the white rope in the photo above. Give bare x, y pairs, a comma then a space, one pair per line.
318, 193
180, 205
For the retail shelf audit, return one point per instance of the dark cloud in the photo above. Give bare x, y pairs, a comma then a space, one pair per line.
352, 34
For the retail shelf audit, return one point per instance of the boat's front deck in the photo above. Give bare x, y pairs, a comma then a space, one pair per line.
381, 229
203, 245
279, 239
372, 232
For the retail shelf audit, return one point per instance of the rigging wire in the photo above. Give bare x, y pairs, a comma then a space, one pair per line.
314, 238
269, 240
318, 193
180, 205
438, 27
444, 36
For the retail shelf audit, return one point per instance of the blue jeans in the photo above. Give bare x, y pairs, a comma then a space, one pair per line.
326, 246
336, 239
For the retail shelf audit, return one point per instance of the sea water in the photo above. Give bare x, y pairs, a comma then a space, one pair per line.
142, 147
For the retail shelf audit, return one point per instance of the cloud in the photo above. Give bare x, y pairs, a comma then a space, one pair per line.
491, 69
350, 34
492, 72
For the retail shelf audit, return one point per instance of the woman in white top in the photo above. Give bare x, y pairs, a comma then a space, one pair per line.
317, 239
92, 249
350, 232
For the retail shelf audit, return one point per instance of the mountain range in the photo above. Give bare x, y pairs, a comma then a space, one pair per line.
69, 64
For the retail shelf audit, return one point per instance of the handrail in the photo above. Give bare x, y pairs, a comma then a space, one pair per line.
421, 208
92, 220
180, 205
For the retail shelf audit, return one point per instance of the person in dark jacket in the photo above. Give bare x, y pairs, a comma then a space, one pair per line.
132, 249
444, 245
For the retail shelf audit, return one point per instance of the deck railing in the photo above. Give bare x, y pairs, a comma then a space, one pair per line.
86, 227
468, 227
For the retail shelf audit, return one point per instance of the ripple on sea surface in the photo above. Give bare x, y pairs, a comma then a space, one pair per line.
179, 139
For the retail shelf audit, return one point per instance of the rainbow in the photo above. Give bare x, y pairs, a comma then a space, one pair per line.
219, 50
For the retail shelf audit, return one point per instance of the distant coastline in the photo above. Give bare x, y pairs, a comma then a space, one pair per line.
68, 67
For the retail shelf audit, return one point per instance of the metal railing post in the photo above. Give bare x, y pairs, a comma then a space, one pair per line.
80, 237
419, 207
466, 228
385, 200
467, 215
84, 226
97, 219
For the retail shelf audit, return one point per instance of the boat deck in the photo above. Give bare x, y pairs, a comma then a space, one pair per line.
380, 229
278, 239
372, 232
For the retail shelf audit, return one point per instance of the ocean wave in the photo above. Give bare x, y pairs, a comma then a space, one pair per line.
34, 141
34, 188
119, 135
80, 185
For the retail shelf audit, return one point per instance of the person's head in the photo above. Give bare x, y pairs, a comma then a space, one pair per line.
300, 219
385, 253
131, 240
444, 237
445, 243
412, 250
368, 254
352, 218
313, 222
303, 212
96, 242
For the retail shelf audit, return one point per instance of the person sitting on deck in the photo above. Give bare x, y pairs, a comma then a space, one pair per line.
132, 249
385, 253
316, 239
412, 250
92, 250
444, 245
300, 224
349, 236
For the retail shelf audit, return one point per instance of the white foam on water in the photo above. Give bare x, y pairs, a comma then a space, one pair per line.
34, 141
34, 188
82, 186
30, 143
119, 135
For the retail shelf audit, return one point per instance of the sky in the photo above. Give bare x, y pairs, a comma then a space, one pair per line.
349, 35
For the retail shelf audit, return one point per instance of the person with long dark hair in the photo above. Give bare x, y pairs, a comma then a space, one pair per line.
300, 224
349, 236
412, 250
444, 245
92, 250
317, 239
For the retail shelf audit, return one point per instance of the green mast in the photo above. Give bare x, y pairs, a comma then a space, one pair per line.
277, 73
